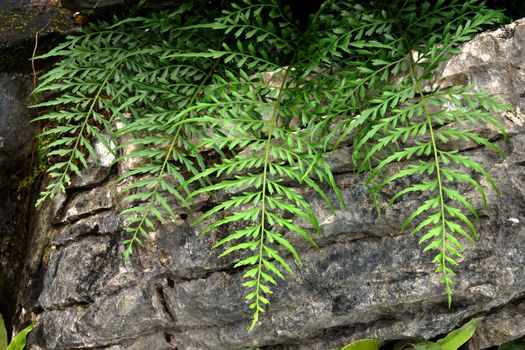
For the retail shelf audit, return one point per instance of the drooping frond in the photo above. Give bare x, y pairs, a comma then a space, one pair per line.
399, 121
264, 130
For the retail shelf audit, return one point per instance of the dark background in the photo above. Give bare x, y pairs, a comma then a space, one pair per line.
302, 9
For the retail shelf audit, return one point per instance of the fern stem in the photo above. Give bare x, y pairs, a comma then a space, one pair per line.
165, 162
62, 179
435, 151
273, 123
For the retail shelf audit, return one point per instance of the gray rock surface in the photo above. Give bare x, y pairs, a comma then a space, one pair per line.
366, 279
22, 19
15, 131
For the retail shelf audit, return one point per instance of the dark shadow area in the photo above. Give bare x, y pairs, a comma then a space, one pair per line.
514, 9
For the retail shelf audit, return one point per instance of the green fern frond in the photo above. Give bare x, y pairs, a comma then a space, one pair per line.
279, 155
85, 113
260, 120
402, 118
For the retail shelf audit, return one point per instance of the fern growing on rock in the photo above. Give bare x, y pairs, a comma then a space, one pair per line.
400, 121
246, 87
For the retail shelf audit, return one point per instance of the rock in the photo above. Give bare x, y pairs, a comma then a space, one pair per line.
88, 203
99, 273
22, 19
366, 279
502, 326
97, 224
15, 131
16, 143
493, 61
80, 325
90, 178
97, 172
22, 22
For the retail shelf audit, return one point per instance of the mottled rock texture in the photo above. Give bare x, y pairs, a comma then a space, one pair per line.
22, 19
15, 131
366, 279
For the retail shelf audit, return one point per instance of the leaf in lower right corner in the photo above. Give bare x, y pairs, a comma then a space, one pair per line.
363, 344
460, 336
518, 344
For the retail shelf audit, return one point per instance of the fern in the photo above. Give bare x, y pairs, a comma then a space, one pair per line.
161, 137
168, 92
85, 114
396, 123
278, 155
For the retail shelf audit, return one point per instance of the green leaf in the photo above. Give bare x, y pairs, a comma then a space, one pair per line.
19, 341
363, 344
3, 334
518, 344
460, 336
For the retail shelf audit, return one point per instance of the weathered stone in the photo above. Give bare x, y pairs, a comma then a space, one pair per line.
502, 326
162, 340
15, 131
92, 225
128, 314
96, 272
23, 19
96, 172
493, 61
86, 203
366, 279
339, 160
94, 176
22, 24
